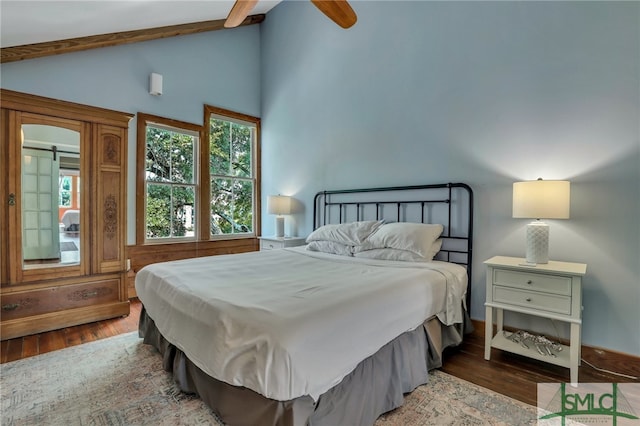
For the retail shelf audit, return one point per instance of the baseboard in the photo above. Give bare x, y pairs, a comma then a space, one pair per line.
601, 358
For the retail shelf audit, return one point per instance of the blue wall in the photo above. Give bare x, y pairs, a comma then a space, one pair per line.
486, 93
220, 68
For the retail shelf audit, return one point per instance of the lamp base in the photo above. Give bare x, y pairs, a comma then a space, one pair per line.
279, 226
537, 242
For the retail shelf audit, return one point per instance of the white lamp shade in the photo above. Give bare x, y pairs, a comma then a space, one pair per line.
278, 204
541, 199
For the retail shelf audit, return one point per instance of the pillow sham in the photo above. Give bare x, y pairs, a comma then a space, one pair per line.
401, 255
414, 237
330, 247
350, 234
435, 248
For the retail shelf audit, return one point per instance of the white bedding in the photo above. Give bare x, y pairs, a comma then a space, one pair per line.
70, 217
288, 323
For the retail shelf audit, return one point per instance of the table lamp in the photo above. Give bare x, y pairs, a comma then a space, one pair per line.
279, 205
540, 199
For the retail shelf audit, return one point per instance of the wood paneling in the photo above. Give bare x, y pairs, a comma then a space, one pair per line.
4, 197
47, 297
60, 319
57, 298
38, 50
110, 203
63, 109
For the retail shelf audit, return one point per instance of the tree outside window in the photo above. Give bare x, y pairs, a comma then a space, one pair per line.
171, 189
232, 176
197, 189
65, 191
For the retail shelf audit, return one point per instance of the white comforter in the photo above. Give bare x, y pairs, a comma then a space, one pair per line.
288, 323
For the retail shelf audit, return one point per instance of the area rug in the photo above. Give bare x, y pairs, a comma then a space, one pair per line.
120, 381
68, 246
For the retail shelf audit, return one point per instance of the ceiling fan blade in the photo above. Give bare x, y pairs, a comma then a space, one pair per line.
338, 11
239, 12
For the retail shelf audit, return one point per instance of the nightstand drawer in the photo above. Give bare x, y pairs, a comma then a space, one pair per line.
270, 244
529, 299
556, 284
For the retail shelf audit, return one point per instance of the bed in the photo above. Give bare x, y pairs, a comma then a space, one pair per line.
71, 220
333, 333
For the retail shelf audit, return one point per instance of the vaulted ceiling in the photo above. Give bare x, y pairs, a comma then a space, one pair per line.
31, 29
26, 22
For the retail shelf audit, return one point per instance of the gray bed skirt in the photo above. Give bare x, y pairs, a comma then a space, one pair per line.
377, 384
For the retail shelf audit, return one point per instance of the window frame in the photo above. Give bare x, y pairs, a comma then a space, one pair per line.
202, 176
225, 114
144, 120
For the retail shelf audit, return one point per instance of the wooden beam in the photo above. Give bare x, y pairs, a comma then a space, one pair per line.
39, 50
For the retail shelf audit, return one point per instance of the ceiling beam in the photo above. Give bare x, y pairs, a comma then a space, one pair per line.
39, 50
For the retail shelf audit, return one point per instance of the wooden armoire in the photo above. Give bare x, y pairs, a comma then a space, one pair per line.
48, 282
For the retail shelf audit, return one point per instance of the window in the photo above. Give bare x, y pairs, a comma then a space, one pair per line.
192, 188
64, 191
69, 189
167, 166
170, 183
232, 168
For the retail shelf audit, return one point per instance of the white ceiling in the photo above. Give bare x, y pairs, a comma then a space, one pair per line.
34, 21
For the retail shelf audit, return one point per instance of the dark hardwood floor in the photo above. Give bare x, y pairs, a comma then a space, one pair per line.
23, 347
517, 376
506, 373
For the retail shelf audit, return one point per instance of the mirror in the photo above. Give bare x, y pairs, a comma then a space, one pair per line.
50, 196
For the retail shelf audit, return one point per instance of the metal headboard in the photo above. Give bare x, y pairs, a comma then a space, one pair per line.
450, 204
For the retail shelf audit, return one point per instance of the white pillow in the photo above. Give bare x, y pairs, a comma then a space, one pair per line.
330, 247
435, 248
414, 237
351, 234
402, 255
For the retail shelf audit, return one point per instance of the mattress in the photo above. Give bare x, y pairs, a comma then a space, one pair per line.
70, 217
291, 323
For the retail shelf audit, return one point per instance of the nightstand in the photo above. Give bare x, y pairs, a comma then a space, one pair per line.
271, 243
551, 290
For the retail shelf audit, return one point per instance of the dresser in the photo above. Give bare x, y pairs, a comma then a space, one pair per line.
552, 290
53, 275
271, 243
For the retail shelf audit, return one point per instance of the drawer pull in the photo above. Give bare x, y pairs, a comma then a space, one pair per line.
528, 299
10, 306
529, 282
86, 294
